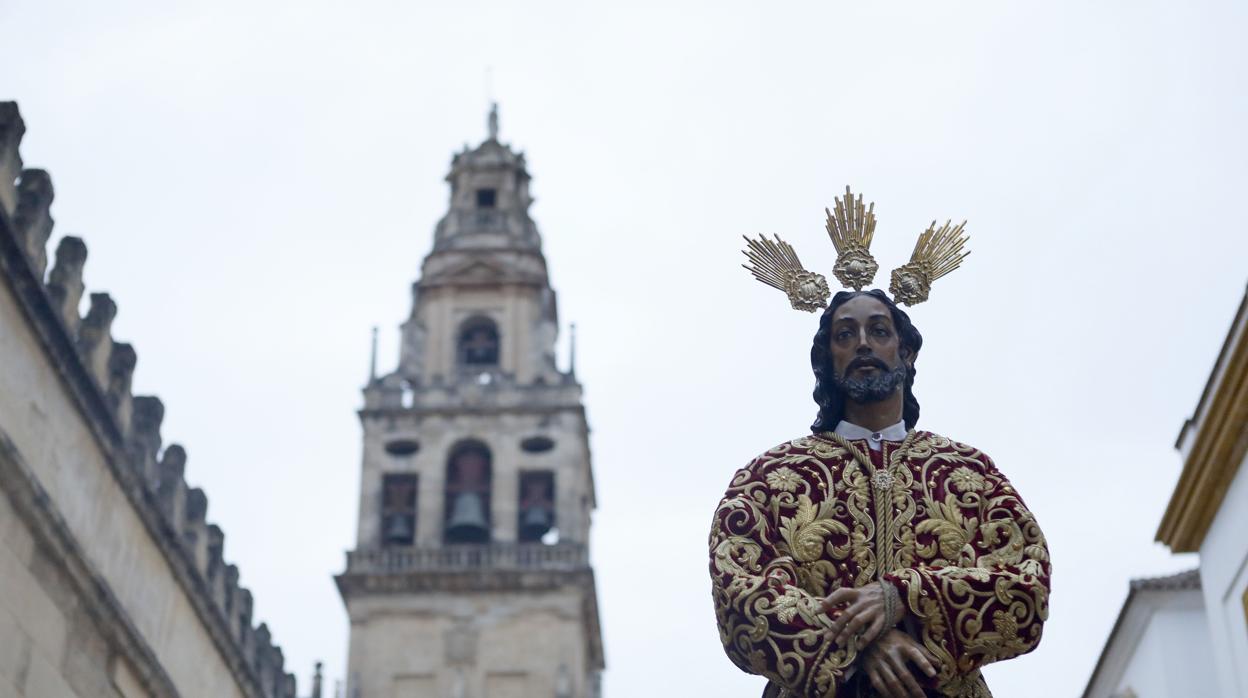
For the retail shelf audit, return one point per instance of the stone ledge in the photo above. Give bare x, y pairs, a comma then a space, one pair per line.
98, 601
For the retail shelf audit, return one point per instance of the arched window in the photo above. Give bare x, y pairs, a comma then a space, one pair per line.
537, 505
478, 343
468, 478
398, 509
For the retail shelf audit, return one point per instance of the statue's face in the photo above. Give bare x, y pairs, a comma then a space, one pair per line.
866, 350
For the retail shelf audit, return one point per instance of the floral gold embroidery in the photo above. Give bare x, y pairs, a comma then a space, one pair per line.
805, 536
1006, 625
804, 519
967, 480
792, 603
783, 479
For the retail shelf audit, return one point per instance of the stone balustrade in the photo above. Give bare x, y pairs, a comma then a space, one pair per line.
467, 558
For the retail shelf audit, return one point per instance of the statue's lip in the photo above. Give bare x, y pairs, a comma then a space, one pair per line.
861, 364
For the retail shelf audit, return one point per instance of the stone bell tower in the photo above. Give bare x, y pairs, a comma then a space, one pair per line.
470, 577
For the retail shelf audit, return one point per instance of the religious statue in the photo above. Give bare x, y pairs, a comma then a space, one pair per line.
871, 558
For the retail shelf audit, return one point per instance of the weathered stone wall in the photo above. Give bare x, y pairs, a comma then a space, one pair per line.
114, 582
51, 646
515, 306
490, 642
52, 445
502, 432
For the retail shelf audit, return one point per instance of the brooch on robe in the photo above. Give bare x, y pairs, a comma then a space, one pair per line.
882, 480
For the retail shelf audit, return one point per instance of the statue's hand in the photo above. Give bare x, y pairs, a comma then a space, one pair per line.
867, 613
887, 665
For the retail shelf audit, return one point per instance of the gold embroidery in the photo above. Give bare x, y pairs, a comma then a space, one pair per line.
967, 479
783, 480
807, 517
891, 502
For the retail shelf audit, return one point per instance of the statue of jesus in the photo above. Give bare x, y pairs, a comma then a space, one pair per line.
869, 557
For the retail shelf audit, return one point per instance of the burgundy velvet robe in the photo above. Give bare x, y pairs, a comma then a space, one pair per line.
931, 516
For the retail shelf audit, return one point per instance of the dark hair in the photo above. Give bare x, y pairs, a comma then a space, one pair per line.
830, 399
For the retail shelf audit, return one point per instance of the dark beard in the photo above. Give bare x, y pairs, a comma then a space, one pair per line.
874, 388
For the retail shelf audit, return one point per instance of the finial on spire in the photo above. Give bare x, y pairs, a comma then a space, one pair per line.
372, 364
493, 121
316, 682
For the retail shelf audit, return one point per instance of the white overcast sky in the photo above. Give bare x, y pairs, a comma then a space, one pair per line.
258, 182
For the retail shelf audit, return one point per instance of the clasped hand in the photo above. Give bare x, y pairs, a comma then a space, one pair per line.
864, 616
887, 664
885, 651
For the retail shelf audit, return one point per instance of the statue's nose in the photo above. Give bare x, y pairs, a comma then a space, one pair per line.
864, 347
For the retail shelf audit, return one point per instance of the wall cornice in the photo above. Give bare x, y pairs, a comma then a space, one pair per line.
54, 538
1218, 437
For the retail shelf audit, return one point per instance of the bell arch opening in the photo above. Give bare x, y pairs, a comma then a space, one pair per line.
536, 511
478, 344
398, 508
469, 478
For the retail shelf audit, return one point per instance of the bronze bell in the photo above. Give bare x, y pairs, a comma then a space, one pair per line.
535, 521
398, 529
468, 523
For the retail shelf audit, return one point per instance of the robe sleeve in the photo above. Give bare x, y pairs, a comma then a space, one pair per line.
989, 600
768, 625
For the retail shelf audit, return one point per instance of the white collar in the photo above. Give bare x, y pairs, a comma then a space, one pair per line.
853, 432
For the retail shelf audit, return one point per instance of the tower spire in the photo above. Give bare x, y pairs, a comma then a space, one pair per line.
372, 364
572, 352
493, 121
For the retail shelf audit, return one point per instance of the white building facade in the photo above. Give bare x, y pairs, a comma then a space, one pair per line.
1188, 635
1160, 646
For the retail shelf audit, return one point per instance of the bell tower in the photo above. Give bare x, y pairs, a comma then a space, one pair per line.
470, 577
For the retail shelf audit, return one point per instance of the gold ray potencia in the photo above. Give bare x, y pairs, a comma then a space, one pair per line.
937, 253
851, 228
851, 225
776, 264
